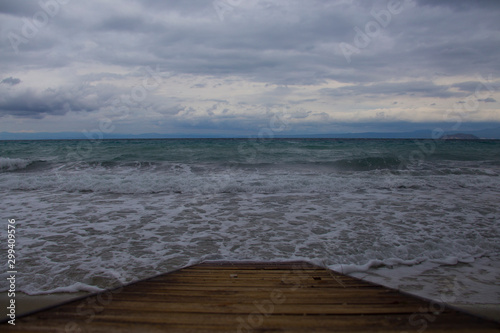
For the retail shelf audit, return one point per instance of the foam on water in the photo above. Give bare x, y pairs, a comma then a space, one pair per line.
140, 177
109, 220
11, 164
77, 240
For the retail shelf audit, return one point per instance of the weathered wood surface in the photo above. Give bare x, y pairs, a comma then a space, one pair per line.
251, 297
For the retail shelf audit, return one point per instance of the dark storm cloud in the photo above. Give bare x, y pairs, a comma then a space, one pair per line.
279, 42
30, 104
276, 42
11, 81
254, 42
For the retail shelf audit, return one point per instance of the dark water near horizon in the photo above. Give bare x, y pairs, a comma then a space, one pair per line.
166, 161
407, 213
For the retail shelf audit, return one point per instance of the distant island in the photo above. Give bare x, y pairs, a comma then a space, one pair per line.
459, 136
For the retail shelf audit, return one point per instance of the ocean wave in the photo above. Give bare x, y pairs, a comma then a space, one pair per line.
301, 164
369, 163
12, 164
182, 178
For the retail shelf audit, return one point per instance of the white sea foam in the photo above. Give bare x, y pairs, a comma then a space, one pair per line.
95, 224
74, 288
375, 263
105, 239
179, 178
11, 164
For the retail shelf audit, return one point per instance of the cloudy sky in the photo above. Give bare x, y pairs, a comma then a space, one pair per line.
234, 67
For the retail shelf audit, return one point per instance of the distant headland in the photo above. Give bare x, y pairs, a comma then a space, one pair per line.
459, 136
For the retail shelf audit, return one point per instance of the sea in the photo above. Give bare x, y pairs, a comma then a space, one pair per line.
418, 215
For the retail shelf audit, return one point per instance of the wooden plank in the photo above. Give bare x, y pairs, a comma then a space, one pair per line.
285, 280
272, 322
245, 297
300, 299
242, 308
221, 323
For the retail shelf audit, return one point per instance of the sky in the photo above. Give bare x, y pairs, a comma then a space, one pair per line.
253, 67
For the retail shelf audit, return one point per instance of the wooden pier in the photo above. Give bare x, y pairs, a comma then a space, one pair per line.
251, 297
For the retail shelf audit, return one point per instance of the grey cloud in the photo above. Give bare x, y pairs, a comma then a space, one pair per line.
301, 101
276, 42
123, 23
19, 8
469, 86
173, 110
218, 100
428, 41
31, 104
210, 111
487, 100
182, 7
299, 114
461, 4
424, 89
261, 46
243, 124
11, 81
474, 86
94, 77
